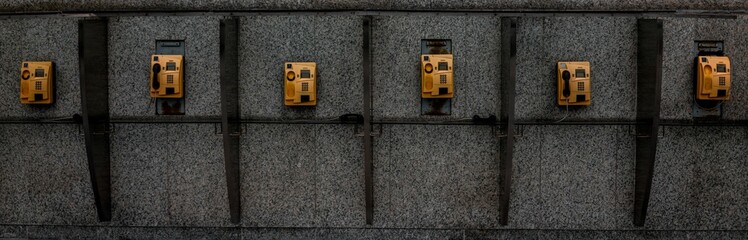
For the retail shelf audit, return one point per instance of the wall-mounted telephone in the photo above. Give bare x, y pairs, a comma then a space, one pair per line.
713, 78
300, 83
574, 84
166, 76
37, 85
437, 78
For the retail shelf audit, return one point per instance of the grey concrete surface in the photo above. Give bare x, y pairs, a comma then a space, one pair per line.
174, 178
573, 177
698, 184
302, 176
306, 181
68, 232
609, 44
132, 41
334, 43
435, 177
44, 176
144, 233
586, 234
134, 5
103, 232
12, 232
42, 39
677, 81
396, 47
363, 234
738, 49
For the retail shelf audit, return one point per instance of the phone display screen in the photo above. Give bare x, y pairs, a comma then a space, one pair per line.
580, 73
721, 68
443, 66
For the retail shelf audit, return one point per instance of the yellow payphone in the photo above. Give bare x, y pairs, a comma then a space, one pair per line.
713, 78
300, 84
167, 76
574, 84
437, 78
36, 82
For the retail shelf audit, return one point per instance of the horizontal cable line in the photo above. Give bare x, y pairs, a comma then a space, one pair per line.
665, 123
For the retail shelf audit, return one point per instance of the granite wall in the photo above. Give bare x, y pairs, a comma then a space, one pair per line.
304, 181
219, 5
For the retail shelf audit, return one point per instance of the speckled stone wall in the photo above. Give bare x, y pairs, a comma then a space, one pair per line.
40, 39
302, 176
305, 181
573, 177
610, 48
680, 34
106, 233
44, 176
132, 41
334, 43
93, 5
396, 48
448, 180
157, 181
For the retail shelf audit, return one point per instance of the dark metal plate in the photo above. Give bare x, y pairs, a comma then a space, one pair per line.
706, 110
171, 106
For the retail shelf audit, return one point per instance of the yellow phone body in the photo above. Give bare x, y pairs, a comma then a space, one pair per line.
437, 76
713, 79
300, 84
574, 84
167, 76
37, 86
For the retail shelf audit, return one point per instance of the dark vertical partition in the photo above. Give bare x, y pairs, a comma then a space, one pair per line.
230, 121
368, 148
508, 85
94, 85
649, 82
